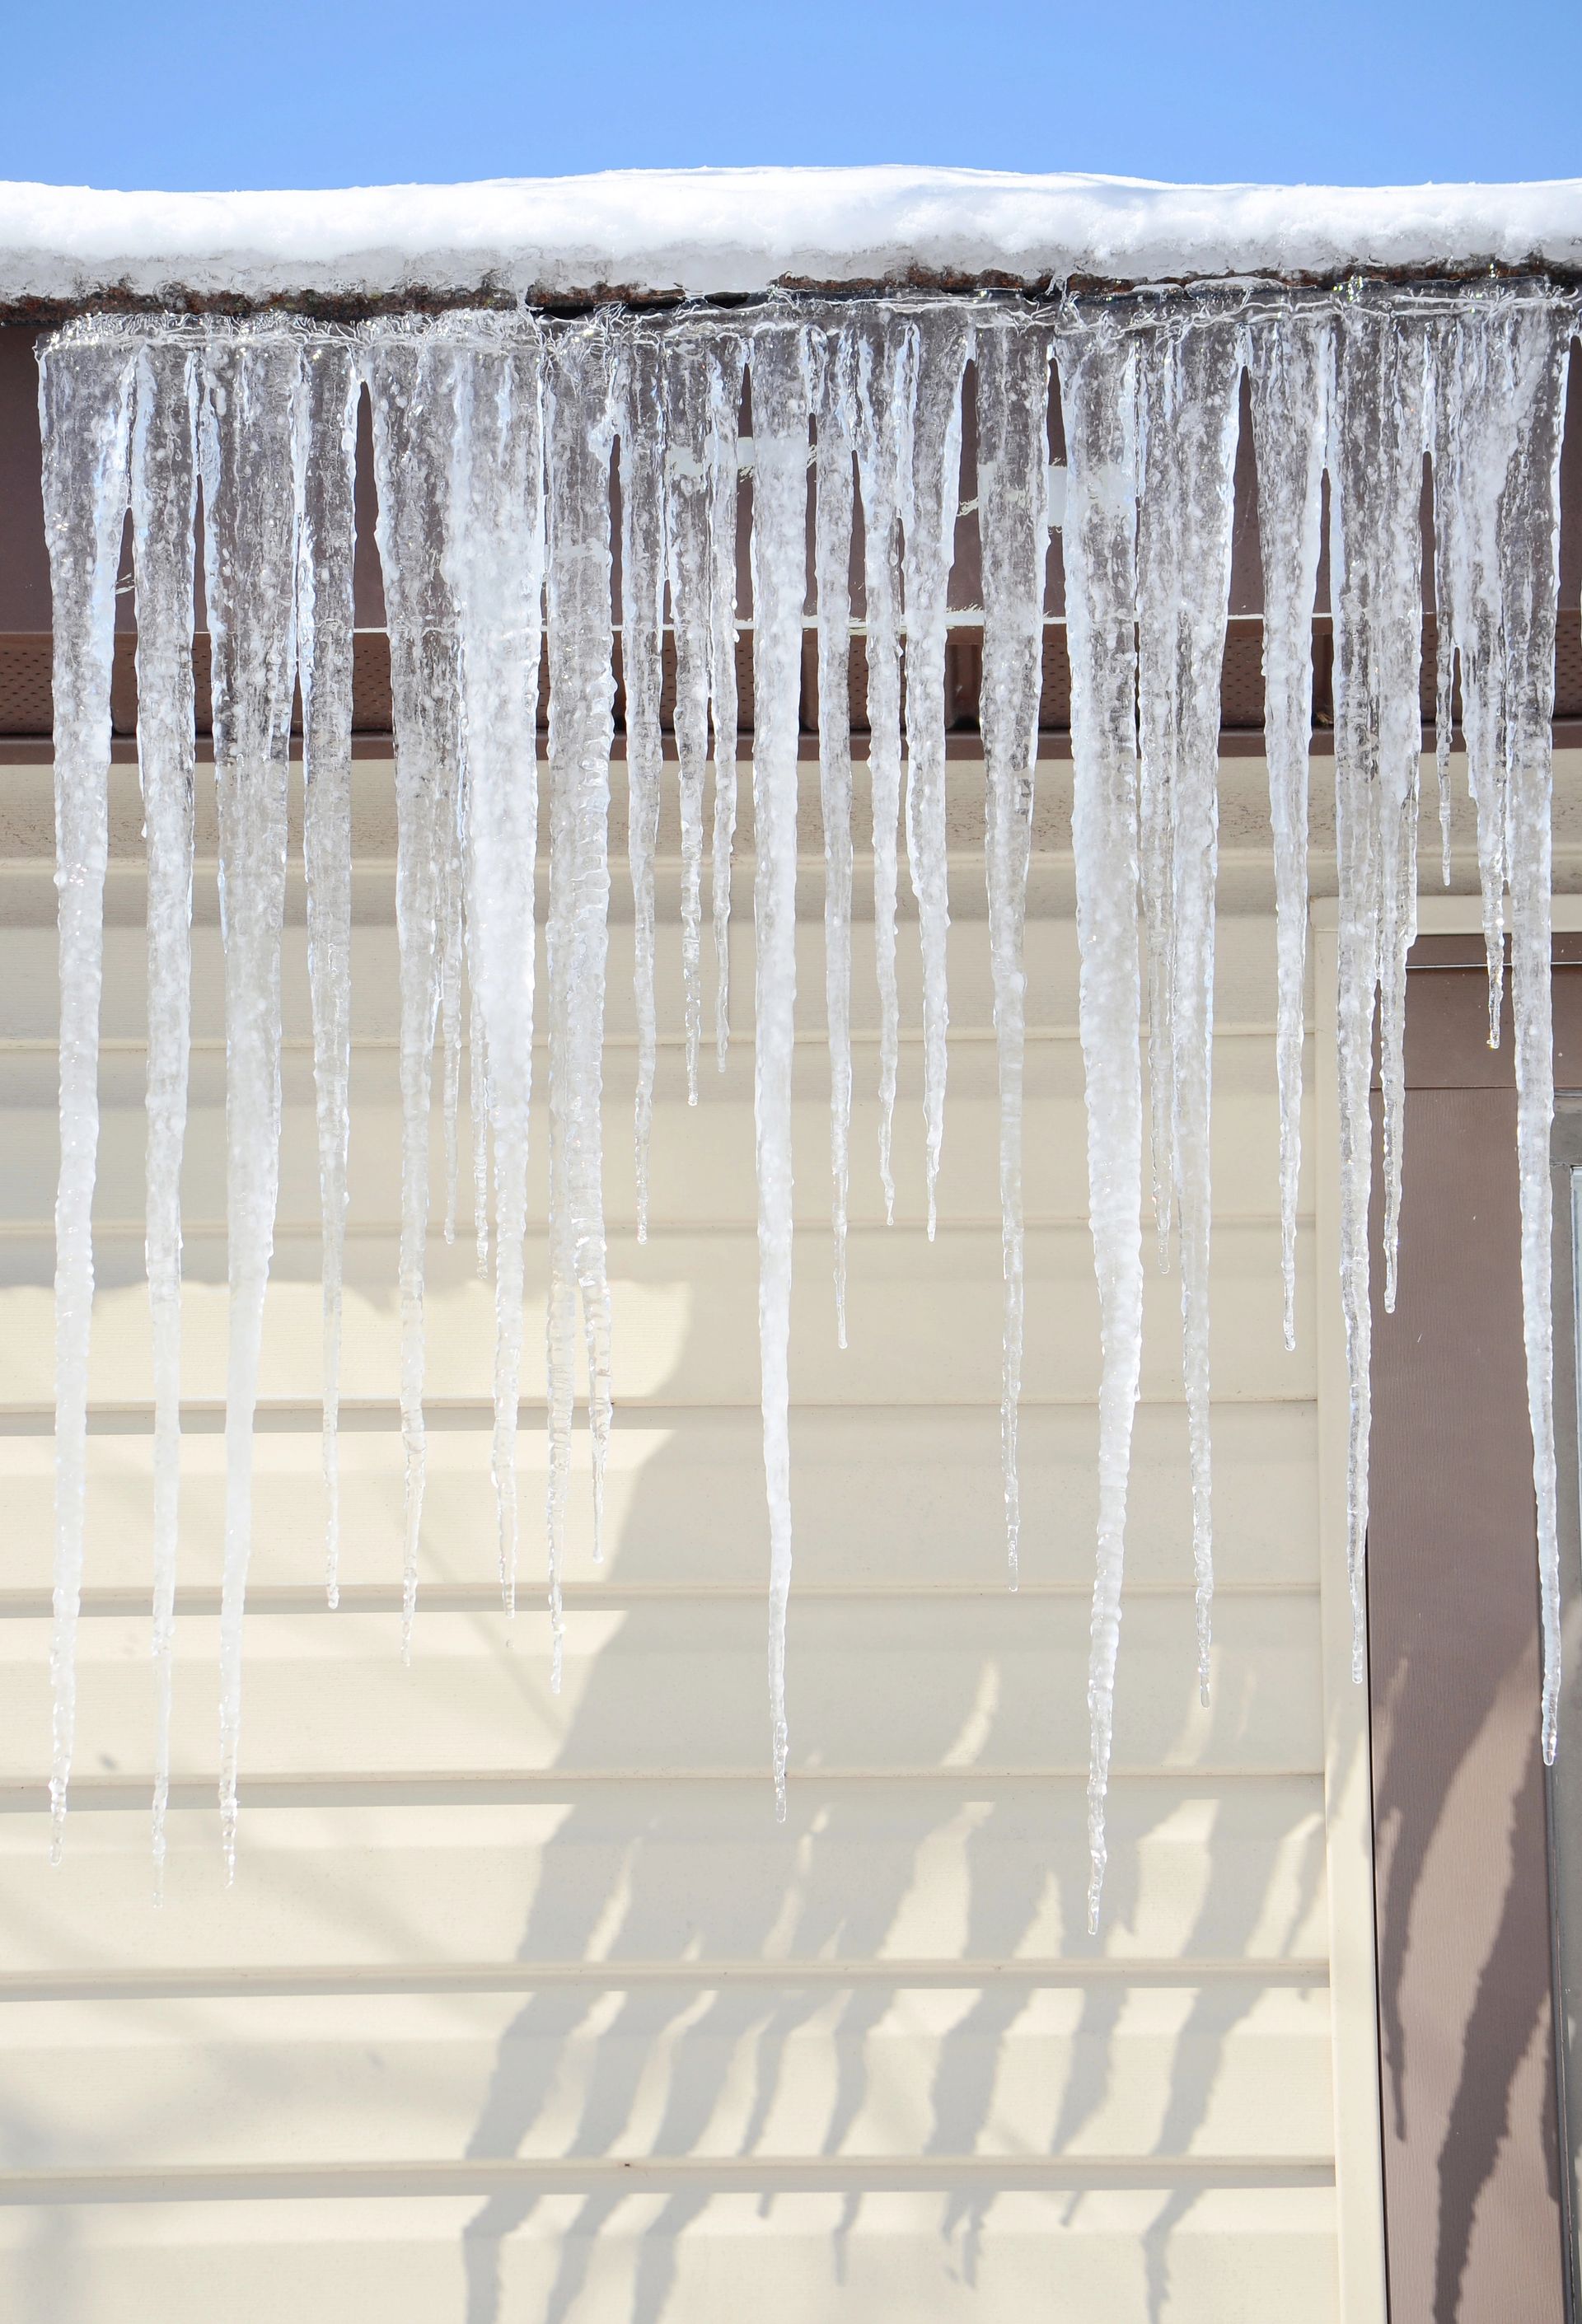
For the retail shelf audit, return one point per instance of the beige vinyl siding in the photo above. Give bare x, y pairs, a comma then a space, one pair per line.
523, 2005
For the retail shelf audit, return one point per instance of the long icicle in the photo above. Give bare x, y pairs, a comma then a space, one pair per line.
250, 557
478, 1101
724, 483
1501, 400
85, 403
1442, 368
1159, 549
832, 577
494, 560
643, 586
780, 522
581, 424
326, 444
411, 377
1291, 372
1191, 379
1098, 399
1469, 479
883, 358
164, 500
930, 492
1012, 465
1399, 636
586, 666
1375, 469
450, 939
687, 496
452, 946
1531, 529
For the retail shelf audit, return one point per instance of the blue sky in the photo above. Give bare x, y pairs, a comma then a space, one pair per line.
263, 93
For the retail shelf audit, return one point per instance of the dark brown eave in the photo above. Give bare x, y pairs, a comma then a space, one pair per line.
489, 294
25, 647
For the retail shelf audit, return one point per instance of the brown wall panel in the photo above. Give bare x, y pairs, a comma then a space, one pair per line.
1469, 2100
25, 563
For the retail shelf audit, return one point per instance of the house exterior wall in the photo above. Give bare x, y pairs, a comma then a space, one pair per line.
863, 2064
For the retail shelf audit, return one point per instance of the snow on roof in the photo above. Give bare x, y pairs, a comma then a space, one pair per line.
717, 232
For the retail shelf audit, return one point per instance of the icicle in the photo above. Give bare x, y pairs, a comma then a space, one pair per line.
1098, 398
165, 497
643, 584
495, 564
832, 570
326, 434
1467, 588
1012, 469
250, 556
478, 1101
1375, 468
1444, 715
412, 378
724, 456
688, 494
1400, 771
1502, 393
1441, 353
450, 939
883, 369
1155, 834
930, 488
450, 943
779, 521
85, 384
582, 390
1476, 441
1190, 378
1539, 346
1292, 367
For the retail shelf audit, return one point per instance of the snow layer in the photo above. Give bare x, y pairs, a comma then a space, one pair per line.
708, 231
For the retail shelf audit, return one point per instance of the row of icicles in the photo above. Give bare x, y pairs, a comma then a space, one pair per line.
494, 440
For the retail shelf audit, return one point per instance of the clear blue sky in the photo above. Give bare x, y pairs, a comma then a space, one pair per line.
264, 93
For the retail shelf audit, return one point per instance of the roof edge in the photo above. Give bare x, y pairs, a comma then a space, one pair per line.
660, 237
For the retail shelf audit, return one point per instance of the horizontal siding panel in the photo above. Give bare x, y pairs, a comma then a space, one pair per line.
925, 1320
359, 1981
1243, 982
1198, 2251
879, 2072
992, 1680
684, 1501
701, 1157
666, 1870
